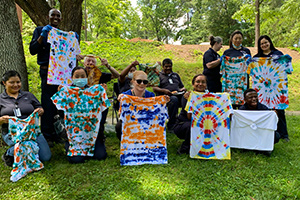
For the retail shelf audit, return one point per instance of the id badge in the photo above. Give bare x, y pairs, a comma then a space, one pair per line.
17, 112
171, 81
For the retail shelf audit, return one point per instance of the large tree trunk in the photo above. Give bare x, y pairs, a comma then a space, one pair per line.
11, 46
71, 11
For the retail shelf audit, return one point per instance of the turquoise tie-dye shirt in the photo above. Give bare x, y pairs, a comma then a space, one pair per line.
82, 108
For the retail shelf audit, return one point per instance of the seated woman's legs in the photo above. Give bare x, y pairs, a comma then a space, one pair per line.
44, 150
183, 131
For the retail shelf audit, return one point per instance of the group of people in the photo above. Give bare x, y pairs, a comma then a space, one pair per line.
18, 103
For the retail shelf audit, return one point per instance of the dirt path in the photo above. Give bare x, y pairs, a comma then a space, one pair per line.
190, 52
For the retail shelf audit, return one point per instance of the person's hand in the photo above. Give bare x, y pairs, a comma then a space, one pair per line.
59, 87
46, 30
167, 98
167, 92
182, 89
187, 95
158, 62
4, 119
135, 63
120, 96
104, 62
104, 86
40, 111
79, 57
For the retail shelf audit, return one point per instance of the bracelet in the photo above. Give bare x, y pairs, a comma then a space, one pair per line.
108, 67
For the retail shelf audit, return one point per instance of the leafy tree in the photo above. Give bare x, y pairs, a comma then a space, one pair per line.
215, 18
160, 18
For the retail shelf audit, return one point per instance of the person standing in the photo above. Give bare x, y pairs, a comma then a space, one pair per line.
39, 46
266, 48
212, 63
236, 48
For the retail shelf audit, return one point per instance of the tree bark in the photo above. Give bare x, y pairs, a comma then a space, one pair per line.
257, 21
11, 46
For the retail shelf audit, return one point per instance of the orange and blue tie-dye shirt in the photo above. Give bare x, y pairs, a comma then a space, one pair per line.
83, 110
63, 51
24, 133
234, 77
269, 79
210, 125
143, 130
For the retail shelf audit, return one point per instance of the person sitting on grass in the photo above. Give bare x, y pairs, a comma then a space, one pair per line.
139, 82
251, 103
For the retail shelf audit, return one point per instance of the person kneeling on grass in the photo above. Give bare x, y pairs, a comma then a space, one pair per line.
17, 103
182, 126
251, 103
82, 106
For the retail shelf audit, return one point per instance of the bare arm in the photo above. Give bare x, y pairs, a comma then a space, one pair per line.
114, 72
126, 71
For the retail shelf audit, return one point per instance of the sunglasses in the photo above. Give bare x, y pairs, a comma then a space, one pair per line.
139, 81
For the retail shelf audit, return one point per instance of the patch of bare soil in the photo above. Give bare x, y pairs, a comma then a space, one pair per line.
190, 52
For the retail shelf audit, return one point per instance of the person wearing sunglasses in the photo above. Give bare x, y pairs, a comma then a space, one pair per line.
139, 82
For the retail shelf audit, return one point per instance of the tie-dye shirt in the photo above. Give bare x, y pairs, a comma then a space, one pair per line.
152, 72
210, 125
63, 51
234, 77
24, 133
143, 130
82, 108
269, 79
94, 75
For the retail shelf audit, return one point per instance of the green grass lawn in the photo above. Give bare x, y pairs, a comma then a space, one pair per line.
246, 176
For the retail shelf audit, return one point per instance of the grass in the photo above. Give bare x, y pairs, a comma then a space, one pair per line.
246, 176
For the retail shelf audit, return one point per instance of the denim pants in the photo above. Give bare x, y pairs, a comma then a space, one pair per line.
44, 150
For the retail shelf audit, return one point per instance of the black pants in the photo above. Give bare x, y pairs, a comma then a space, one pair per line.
281, 125
99, 153
213, 84
118, 128
50, 110
183, 131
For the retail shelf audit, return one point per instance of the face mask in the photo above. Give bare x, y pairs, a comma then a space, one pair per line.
130, 75
80, 82
236, 47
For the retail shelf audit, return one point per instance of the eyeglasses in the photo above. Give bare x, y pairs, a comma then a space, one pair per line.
139, 81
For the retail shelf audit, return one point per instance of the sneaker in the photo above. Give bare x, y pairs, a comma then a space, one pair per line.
8, 160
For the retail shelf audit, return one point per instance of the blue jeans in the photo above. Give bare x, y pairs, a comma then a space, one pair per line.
44, 151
